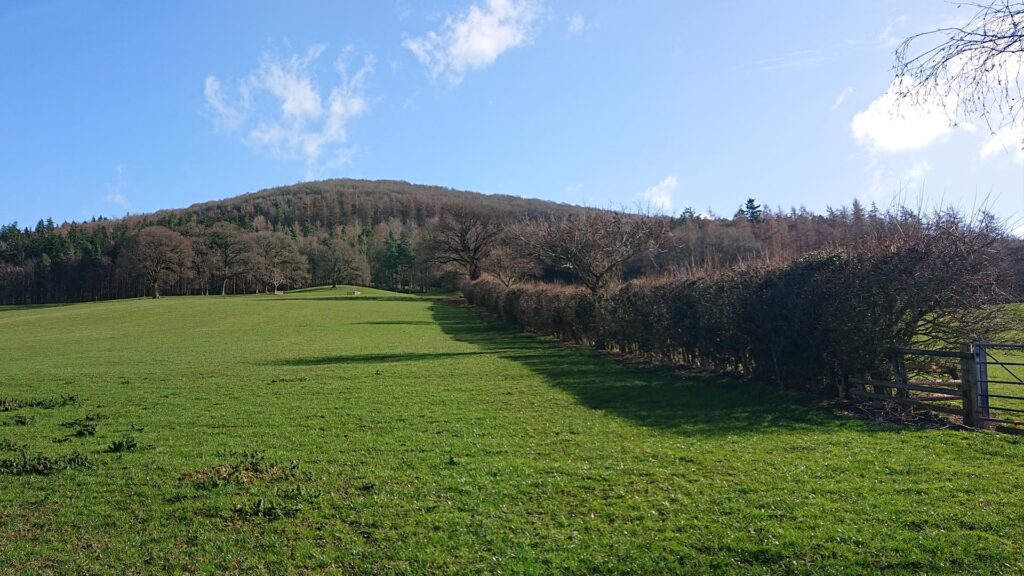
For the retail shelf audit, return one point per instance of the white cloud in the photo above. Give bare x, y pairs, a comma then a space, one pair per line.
892, 125
842, 97
576, 24
289, 83
475, 39
300, 122
659, 196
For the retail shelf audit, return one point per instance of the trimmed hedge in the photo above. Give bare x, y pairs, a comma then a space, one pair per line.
805, 323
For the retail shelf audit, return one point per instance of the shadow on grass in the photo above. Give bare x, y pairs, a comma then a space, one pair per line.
344, 299
12, 307
395, 323
371, 358
697, 403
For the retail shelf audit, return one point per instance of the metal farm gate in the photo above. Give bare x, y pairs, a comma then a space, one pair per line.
986, 391
1000, 385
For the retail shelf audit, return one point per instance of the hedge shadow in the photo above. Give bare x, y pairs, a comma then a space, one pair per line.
655, 398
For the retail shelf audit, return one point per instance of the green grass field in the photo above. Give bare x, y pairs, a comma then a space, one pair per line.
384, 434
1008, 374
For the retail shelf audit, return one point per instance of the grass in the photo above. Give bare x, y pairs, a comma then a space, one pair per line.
386, 434
1006, 408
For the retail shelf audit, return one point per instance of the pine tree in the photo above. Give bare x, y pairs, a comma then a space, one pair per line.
752, 211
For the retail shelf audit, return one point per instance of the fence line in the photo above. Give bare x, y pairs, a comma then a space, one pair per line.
968, 398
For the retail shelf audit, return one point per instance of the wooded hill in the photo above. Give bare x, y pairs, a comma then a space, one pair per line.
386, 233
378, 222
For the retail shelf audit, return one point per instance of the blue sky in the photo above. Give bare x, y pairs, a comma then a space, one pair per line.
115, 107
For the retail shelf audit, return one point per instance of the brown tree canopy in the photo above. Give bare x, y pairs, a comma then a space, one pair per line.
279, 260
231, 253
464, 236
336, 260
510, 262
594, 245
158, 255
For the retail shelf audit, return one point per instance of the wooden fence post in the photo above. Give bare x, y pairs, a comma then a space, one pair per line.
899, 372
969, 385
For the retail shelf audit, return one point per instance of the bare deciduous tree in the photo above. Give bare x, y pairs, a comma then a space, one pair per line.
279, 259
337, 260
593, 245
230, 251
159, 255
510, 262
464, 236
973, 70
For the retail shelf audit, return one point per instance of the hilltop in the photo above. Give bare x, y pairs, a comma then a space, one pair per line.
343, 201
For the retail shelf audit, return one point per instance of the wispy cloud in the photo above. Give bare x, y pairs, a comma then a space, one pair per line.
893, 184
886, 39
300, 121
475, 39
225, 115
1009, 140
798, 59
841, 98
115, 190
576, 24
914, 176
659, 196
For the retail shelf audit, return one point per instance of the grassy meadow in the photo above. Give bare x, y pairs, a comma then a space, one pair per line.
320, 432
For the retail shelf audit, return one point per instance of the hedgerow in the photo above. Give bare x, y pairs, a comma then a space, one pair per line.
804, 323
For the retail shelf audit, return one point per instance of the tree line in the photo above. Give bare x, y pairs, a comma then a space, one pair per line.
365, 232
401, 236
100, 261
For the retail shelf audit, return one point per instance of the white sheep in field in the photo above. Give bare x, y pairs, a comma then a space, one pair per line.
357, 293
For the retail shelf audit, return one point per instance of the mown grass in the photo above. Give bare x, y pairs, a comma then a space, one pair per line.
321, 432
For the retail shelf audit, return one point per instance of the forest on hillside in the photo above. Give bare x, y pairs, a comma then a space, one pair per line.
386, 234
315, 233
